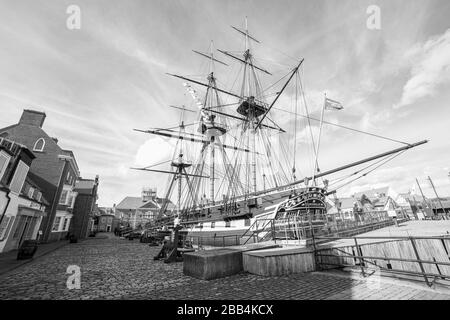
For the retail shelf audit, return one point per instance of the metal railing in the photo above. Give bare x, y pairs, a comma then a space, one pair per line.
299, 227
294, 228
368, 261
258, 226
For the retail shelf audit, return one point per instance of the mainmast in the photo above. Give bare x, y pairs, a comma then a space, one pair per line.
212, 126
248, 106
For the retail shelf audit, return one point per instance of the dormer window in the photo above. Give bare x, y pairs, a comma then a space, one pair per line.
39, 145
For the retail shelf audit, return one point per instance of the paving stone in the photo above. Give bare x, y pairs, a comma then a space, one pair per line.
120, 269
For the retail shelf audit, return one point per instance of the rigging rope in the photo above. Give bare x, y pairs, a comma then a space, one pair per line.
344, 127
392, 157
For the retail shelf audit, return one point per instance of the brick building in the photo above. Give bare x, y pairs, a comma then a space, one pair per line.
22, 206
138, 211
54, 169
106, 222
84, 207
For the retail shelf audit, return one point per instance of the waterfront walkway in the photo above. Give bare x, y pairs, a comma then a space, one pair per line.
113, 268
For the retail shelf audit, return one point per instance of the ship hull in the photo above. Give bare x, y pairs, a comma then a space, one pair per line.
277, 206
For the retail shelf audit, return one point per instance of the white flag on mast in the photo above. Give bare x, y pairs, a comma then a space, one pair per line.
333, 104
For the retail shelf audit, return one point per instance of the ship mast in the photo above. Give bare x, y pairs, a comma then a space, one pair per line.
251, 114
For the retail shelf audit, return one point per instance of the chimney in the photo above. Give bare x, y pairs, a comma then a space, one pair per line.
55, 139
32, 118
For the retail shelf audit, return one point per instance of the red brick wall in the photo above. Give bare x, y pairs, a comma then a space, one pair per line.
47, 166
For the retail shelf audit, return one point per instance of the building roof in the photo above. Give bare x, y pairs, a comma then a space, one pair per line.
381, 201
133, 203
84, 186
347, 203
130, 203
150, 205
373, 193
170, 204
437, 204
36, 186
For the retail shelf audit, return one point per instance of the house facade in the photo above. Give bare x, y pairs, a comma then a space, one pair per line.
84, 207
379, 203
22, 205
383, 199
139, 211
106, 222
54, 169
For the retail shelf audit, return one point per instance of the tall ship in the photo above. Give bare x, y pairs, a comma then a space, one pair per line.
236, 160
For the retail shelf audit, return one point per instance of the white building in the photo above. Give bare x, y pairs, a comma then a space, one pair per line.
22, 206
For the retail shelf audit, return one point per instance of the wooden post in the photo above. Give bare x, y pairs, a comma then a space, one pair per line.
316, 258
439, 199
273, 231
361, 260
420, 263
423, 198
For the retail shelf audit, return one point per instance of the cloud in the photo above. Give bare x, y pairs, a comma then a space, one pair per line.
430, 68
153, 151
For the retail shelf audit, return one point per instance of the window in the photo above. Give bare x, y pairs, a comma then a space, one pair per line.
213, 224
39, 145
19, 177
20, 226
39, 196
63, 198
65, 224
70, 199
30, 192
247, 222
5, 226
69, 178
227, 224
68, 224
4, 160
56, 224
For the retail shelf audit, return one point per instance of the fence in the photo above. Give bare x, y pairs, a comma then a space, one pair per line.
427, 257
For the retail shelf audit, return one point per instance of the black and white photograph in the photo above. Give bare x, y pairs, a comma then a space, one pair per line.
228, 154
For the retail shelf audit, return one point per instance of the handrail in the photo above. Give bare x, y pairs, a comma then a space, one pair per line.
363, 258
269, 221
388, 237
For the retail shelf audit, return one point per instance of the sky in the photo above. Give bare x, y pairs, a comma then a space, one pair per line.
99, 82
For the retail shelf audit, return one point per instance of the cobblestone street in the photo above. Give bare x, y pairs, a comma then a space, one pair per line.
121, 269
